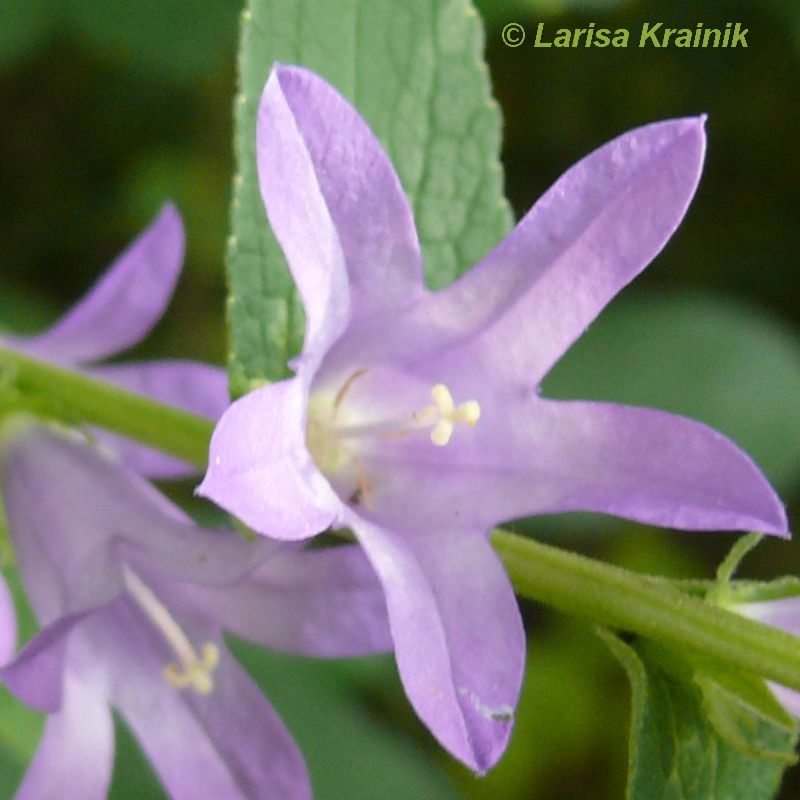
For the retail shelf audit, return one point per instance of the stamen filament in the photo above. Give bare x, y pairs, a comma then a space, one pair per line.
193, 670
441, 418
340, 395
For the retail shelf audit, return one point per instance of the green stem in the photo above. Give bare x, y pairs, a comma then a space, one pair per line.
600, 592
620, 599
83, 398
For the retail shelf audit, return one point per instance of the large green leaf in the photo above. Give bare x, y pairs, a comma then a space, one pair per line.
415, 72
698, 736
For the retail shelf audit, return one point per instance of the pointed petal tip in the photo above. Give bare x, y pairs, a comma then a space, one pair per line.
777, 524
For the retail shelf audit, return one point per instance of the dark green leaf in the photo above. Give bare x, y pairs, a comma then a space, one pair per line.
695, 737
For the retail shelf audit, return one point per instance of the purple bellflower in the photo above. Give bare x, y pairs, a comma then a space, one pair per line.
115, 314
783, 614
414, 418
133, 599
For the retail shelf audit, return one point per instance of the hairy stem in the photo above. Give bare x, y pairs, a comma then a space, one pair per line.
603, 593
81, 398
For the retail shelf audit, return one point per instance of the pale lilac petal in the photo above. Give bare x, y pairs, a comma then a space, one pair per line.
788, 698
229, 743
259, 465
35, 676
642, 464
124, 304
783, 614
534, 456
459, 640
318, 160
76, 752
8, 623
45, 514
323, 603
595, 230
71, 547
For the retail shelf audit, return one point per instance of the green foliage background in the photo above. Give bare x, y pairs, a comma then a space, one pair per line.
109, 108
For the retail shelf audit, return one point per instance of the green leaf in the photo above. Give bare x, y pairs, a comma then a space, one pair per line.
696, 735
415, 71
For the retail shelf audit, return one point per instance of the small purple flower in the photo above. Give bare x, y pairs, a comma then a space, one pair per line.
115, 314
415, 418
133, 599
783, 614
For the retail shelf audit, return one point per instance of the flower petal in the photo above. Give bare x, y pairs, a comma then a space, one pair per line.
458, 634
192, 386
76, 752
44, 495
534, 456
336, 206
124, 304
596, 229
788, 698
260, 469
35, 676
229, 743
323, 603
783, 614
47, 480
647, 465
8, 623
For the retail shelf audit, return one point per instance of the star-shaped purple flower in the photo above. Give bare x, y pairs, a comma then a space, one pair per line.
133, 599
115, 314
415, 419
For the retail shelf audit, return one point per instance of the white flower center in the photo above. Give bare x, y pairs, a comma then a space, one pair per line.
334, 432
193, 670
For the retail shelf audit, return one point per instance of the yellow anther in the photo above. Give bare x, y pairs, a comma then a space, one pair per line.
196, 672
448, 414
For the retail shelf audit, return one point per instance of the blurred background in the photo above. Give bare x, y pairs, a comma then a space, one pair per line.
108, 108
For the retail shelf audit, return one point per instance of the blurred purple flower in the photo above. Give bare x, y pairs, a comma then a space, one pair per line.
415, 419
8, 623
117, 313
133, 599
783, 614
